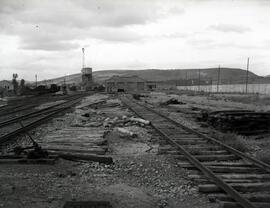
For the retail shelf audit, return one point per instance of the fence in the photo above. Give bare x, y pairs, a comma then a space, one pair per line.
230, 88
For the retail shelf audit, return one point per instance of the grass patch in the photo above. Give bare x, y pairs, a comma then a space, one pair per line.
251, 99
264, 156
235, 141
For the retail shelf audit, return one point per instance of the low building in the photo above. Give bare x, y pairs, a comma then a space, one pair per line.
125, 84
6, 85
151, 85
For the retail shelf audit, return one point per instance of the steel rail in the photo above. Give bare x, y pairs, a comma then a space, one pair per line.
238, 153
15, 111
8, 107
10, 136
22, 107
210, 174
32, 114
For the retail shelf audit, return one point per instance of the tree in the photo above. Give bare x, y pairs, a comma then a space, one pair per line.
15, 83
22, 86
22, 83
1, 92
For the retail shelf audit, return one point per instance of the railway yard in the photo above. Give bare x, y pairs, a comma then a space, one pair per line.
158, 149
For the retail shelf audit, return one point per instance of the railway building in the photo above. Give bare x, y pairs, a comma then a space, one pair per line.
87, 78
6, 85
125, 84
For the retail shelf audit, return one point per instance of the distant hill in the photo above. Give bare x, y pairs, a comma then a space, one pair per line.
227, 75
174, 74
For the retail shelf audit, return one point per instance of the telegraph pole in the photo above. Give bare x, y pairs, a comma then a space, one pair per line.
218, 78
247, 76
83, 58
36, 80
186, 80
199, 79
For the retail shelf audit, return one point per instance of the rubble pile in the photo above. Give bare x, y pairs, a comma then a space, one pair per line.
97, 117
138, 96
172, 101
240, 121
125, 121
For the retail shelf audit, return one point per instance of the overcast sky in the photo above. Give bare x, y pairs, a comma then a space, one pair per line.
45, 37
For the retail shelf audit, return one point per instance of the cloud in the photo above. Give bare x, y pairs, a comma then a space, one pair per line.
201, 43
211, 44
44, 34
176, 10
50, 46
114, 34
47, 25
10, 7
230, 28
81, 13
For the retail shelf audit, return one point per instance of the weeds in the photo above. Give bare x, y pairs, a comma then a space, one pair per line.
235, 141
264, 156
249, 99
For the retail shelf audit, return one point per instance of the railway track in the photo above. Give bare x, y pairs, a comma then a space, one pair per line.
36, 118
22, 105
227, 175
34, 112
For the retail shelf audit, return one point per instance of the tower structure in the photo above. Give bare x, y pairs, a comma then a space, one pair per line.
83, 58
87, 78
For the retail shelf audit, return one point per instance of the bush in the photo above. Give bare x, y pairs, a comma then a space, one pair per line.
235, 141
136, 96
264, 156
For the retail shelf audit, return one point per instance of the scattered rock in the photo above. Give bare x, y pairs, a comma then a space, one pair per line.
86, 115
6, 189
126, 132
93, 124
172, 101
140, 120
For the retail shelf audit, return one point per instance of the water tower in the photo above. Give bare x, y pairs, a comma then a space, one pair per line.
87, 77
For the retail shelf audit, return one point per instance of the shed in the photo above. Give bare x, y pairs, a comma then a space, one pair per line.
125, 84
6, 85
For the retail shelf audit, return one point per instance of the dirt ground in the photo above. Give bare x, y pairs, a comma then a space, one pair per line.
215, 101
139, 176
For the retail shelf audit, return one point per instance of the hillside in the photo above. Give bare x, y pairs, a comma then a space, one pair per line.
174, 74
227, 75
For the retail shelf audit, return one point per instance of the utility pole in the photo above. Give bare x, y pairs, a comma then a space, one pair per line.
65, 80
247, 76
36, 80
186, 80
199, 79
83, 59
218, 78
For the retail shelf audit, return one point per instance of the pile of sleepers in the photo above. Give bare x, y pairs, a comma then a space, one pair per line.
242, 122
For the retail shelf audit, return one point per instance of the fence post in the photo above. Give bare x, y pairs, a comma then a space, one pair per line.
218, 79
247, 76
186, 80
199, 84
